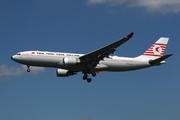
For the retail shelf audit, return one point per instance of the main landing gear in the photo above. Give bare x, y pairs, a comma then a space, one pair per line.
28, 68
86, 77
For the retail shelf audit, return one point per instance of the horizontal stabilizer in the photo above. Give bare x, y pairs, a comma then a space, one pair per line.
158, 60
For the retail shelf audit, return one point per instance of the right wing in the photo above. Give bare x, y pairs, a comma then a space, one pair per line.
94, 57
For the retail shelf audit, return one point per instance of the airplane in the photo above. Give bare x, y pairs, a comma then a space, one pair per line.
94, 62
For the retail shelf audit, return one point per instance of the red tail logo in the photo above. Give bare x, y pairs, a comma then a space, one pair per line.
156, 49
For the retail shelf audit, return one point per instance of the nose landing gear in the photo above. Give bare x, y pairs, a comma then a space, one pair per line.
28, 68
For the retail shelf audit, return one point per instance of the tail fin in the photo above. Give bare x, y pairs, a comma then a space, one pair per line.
156, 50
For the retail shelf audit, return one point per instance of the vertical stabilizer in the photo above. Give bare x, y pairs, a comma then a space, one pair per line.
156, 50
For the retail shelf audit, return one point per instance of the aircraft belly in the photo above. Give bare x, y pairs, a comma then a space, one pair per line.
124, 66
101, 67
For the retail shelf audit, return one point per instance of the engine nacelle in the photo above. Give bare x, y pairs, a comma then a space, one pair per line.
71, 61
64, 73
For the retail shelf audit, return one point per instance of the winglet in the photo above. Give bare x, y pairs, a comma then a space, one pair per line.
130, 35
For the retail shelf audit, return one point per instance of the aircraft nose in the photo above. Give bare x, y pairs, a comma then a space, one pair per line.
12, 57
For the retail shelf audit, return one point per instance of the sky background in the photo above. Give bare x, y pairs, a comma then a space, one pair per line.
80, 27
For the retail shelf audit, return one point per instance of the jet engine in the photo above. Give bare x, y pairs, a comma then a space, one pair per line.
71, 61
64, 73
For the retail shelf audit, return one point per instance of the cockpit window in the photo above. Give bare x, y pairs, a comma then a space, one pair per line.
18, 54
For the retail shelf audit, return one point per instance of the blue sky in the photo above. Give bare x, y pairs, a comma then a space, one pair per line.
80, 27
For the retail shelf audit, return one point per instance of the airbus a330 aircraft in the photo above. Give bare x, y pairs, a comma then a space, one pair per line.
68, 64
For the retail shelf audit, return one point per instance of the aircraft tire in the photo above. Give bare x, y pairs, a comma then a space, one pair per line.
84, 77
28, 70
93, 74
89, 80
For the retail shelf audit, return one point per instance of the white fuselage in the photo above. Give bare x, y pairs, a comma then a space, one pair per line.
56, 60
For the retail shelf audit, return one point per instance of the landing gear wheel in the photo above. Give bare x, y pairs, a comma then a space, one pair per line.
84, 77
89, 80
93, 74
28, 70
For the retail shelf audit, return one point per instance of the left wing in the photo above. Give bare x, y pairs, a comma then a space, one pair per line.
94, 57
